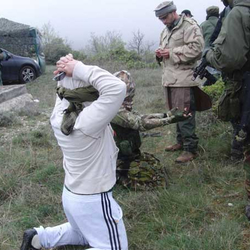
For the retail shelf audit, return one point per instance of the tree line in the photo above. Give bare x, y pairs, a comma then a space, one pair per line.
109, 48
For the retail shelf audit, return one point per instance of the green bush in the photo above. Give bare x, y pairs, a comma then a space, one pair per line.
215, 90
56, 49
79, 55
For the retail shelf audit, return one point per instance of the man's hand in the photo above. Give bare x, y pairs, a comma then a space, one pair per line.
158, 52
200, 70
177, 115
162, 53
66, 64
165, 53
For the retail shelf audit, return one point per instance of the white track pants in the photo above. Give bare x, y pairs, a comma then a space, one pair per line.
94, 220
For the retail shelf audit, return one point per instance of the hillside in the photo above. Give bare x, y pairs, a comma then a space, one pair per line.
201, 209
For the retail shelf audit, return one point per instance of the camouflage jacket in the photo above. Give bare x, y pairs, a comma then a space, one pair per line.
136, 121
185, 42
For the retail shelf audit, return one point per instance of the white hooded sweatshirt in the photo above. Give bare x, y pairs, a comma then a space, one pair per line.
89, 152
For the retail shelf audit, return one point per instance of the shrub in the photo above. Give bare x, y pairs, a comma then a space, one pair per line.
56, 49
7, 119
215, 90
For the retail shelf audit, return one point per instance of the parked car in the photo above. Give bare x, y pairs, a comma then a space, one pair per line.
19, 69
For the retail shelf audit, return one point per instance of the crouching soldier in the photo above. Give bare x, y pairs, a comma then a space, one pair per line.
138, 169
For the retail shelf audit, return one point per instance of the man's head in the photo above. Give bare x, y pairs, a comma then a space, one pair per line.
166, 12
225, 2
228, 2
187, 13
212, 11
126, 77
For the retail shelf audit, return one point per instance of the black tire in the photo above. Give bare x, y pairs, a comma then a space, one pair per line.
27, 74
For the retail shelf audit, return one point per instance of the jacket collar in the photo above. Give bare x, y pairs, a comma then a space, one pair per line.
177, 23
168, 33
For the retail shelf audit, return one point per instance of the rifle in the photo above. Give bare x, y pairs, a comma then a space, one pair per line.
200, 70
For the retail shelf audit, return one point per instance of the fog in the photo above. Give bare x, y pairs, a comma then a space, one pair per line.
75, 20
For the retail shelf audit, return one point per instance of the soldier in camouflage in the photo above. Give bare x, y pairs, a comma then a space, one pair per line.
230, 53
138, 169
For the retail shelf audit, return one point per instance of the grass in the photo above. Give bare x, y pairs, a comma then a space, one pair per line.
202, 208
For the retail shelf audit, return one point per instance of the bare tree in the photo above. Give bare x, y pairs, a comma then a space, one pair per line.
53, 45
137, 42
103, 44
48, 33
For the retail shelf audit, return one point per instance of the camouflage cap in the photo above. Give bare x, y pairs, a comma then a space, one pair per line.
212, 10
126, 77
165, 8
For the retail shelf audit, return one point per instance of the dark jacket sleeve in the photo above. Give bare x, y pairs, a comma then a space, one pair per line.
217, 28
230, 49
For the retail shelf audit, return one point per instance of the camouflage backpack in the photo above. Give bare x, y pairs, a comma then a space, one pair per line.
127, 140
143, 173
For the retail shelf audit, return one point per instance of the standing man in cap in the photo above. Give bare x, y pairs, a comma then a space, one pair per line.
209, 25
222, 17
181, 45
207, 28
187, 13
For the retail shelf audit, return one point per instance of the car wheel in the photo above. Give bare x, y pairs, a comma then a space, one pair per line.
27, 74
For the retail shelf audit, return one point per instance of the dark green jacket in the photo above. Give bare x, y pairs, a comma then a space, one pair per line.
207, 29
230, 53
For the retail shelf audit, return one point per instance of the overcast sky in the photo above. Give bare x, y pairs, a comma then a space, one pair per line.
77, 19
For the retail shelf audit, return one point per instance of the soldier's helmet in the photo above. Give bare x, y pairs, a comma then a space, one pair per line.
130, 93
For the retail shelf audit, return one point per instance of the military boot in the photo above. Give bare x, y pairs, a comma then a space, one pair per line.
185, 157
174, 147
247, 211
27, 239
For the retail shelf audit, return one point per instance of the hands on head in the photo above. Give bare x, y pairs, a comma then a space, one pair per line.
66, 64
